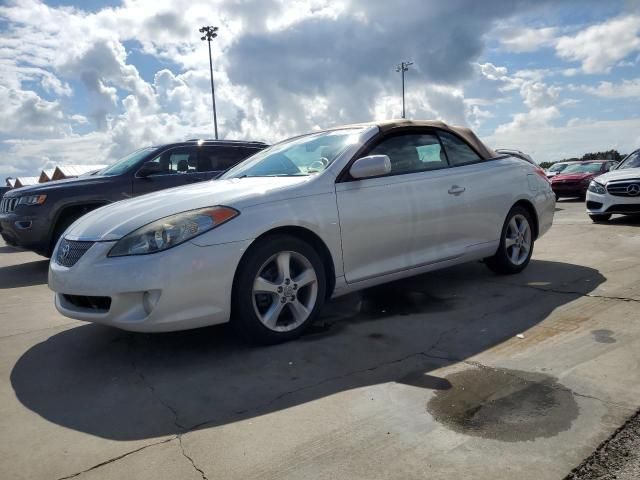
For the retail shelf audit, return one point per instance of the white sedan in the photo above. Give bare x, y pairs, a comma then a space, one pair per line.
310, 218
617, 191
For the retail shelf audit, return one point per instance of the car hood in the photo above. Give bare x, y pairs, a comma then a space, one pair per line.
572, 176
57, 185
114, 221
624, 174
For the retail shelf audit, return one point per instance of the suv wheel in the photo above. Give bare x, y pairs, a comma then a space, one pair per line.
279, 289
61, 226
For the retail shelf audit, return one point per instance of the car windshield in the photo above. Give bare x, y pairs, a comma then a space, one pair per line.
583, 168
558, 167
632, 161
127, 162
299, 156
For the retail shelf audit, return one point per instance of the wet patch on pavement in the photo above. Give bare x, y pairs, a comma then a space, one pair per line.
603, 336
502, 404
400, 298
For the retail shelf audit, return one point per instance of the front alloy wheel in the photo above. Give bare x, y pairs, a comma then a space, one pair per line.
279, 289
285, 290
516, 243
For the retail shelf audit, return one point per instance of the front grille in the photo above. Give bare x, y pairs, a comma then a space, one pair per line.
8, 204
628, 188
69, 252
624, 208
593, 205
99, 304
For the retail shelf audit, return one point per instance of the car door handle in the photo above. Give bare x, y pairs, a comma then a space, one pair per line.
456, 190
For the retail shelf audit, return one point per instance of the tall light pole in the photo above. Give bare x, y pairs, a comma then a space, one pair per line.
210, 34
403, 67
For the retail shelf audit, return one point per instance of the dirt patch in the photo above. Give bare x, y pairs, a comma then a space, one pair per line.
617, 457
502, 404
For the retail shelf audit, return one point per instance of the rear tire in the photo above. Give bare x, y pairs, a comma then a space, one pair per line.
516, 243
279, 289
598, 218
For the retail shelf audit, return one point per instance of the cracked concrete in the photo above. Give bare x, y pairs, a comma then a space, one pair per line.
195, 467
348, 400
115, 459
570, 292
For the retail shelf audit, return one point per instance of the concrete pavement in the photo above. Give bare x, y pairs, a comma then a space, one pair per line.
424, 378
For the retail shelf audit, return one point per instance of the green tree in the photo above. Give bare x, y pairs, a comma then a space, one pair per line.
608, 155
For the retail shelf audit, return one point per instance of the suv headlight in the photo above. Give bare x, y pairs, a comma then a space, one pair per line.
596, 187
170, 231
32, 200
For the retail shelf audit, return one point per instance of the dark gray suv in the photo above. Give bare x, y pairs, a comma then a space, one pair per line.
34, 217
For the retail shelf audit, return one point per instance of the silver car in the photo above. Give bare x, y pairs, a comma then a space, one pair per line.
308, 219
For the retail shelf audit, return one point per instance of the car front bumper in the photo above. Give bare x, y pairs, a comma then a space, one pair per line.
601, 204
185, 287
27, 231
569, 190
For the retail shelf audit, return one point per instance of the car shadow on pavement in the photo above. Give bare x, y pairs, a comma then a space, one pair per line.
626, 220
125, 386
8, 249
24, 274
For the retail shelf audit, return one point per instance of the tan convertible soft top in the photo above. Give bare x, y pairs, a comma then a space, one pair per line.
466, 133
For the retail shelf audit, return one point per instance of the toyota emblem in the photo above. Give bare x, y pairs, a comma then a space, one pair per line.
633, 190
65, 252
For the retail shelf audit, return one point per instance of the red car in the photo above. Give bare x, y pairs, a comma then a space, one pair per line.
574, 180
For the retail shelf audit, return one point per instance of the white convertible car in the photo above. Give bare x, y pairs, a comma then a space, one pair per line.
310, 218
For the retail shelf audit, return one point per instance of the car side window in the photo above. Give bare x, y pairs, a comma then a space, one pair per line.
458, 152
412, 153
213, 159
176, 160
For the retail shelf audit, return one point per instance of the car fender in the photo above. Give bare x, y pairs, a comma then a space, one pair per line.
317, 213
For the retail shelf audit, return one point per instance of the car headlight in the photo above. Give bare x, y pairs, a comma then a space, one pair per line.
170, 231
596, 187
32, 200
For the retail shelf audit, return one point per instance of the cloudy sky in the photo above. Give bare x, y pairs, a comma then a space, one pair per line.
89, 81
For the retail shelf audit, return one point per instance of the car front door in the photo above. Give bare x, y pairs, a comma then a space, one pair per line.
401, 220
178, 166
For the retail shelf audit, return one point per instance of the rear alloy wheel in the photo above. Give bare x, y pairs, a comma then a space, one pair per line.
279, 290
516, 243
600, 217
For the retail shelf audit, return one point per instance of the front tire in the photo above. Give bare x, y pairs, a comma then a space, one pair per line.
516, 243
597, 218
60, 228
279, 290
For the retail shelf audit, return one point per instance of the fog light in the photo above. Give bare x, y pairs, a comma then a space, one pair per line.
150, 300
23, 225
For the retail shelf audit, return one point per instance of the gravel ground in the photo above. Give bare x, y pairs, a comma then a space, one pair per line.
618, 457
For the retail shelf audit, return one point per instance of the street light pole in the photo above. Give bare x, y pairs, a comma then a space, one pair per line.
403, 67
210, 34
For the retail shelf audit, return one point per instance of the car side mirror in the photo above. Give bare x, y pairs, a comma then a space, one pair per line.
149, 168
371, 166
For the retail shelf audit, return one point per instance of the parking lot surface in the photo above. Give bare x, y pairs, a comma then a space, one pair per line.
453, 374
